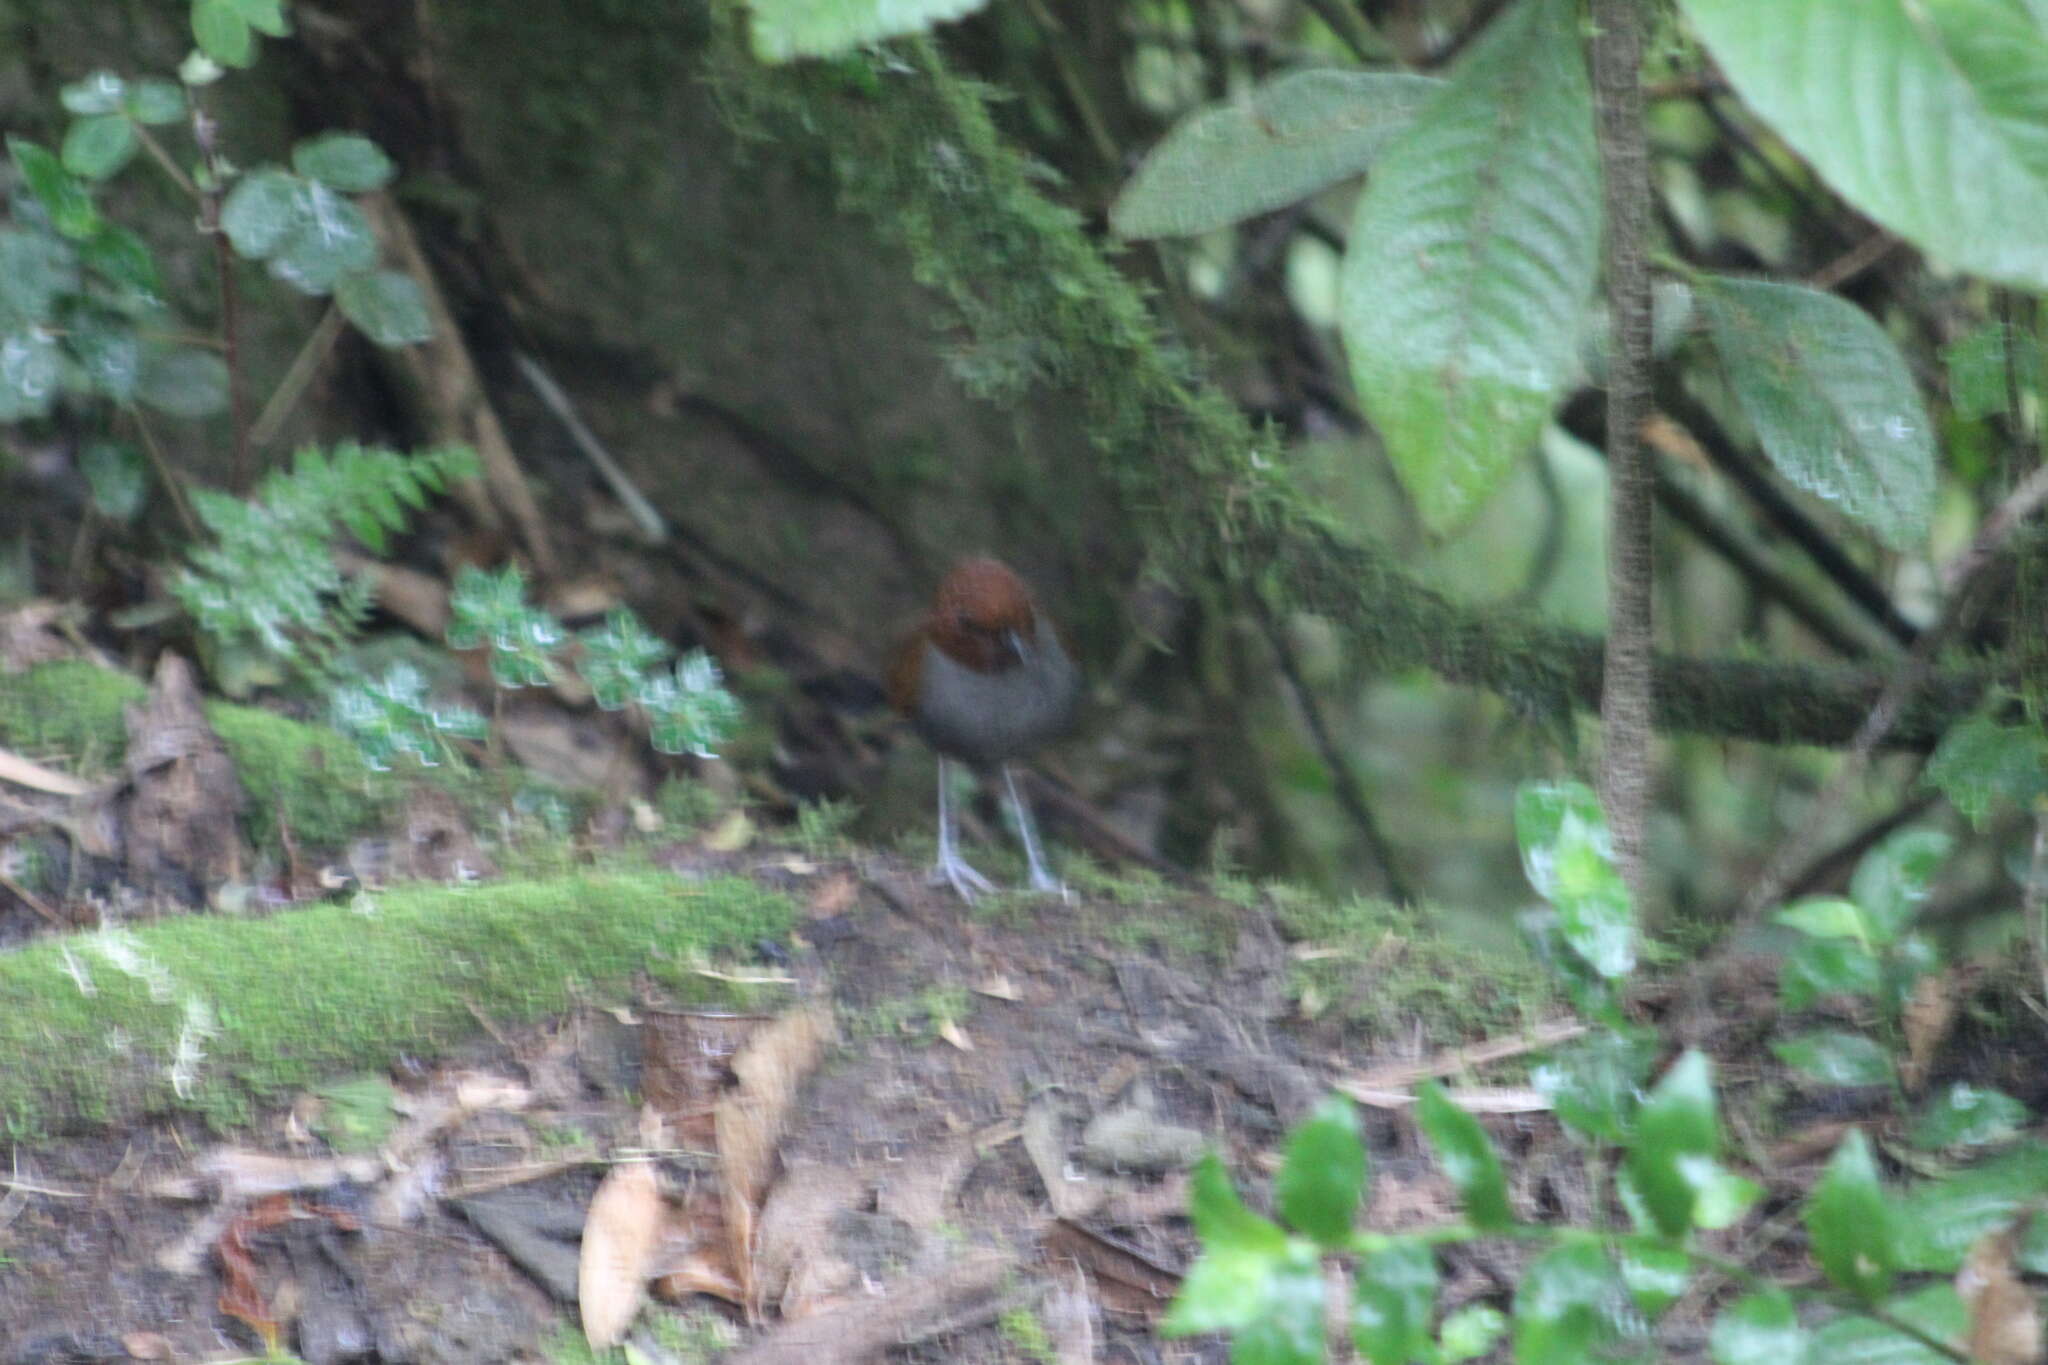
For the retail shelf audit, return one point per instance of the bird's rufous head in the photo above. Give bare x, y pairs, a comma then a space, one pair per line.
983, 616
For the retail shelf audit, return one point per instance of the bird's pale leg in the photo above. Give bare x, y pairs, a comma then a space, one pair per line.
1041, 879
950, 868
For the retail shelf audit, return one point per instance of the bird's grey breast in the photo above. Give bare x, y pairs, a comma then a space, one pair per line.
993, 717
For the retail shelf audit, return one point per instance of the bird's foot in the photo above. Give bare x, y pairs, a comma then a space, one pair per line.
1045, 884
952, 870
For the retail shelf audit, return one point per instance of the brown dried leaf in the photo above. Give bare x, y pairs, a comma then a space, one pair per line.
999, 987
687, 1066
1928, 1017
2005, 1322
731, 834
748, 1122
833, 896
181, 817
797, 1221
620, 1235
28, 636
1069, 1315
701, 1272
147, 1346
1126, 1280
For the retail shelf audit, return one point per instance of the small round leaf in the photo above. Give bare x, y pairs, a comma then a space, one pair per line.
343, 161
98, 145
387, 306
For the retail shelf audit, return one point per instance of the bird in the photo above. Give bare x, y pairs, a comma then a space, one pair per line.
984, 679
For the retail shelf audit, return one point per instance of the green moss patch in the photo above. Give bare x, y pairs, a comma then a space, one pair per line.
72, 713
1391, 967
214, 1015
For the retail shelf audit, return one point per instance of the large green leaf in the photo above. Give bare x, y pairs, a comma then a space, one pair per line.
1849, 1221
1291, 137
1677, 1136
1569, 1305
1831, 400
56, 189
1323, 1175
1467, 1155
1981, 764
222, 33
1568, 857
1929, 115
1758, 1329
1594, 1085
1968, 1115
98, 145
1935, 1310
826, 28
118, 477
1230, 1285
1290, 1330
1937, 1220
1471, 259
1894, 879
1835, 1057
30, 367
35, 270
1391, 1303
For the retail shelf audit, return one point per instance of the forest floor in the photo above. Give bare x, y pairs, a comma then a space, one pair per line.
972, 1143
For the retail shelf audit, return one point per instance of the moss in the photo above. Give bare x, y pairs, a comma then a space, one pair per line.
275, 1004
72, 714
1390, 969
304, 774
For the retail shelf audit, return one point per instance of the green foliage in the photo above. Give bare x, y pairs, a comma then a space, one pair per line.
226, 29
1292, 137
1963, 108
1595, 1292
269, 579
1471, 261
393, 715
306, 995
1831, 400
1569, 859
80, 308
490, 610
1982, 765
784, 29
686, 706
688, 709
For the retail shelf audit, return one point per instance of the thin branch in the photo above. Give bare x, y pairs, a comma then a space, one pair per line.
1784, 514
289, 389
164, 159
1349, 794
2035, 898
1625, 703
1583, 417
1957, 577
166, 475
653, 529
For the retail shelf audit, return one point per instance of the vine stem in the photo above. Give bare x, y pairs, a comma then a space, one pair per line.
1626, 720
205, 132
